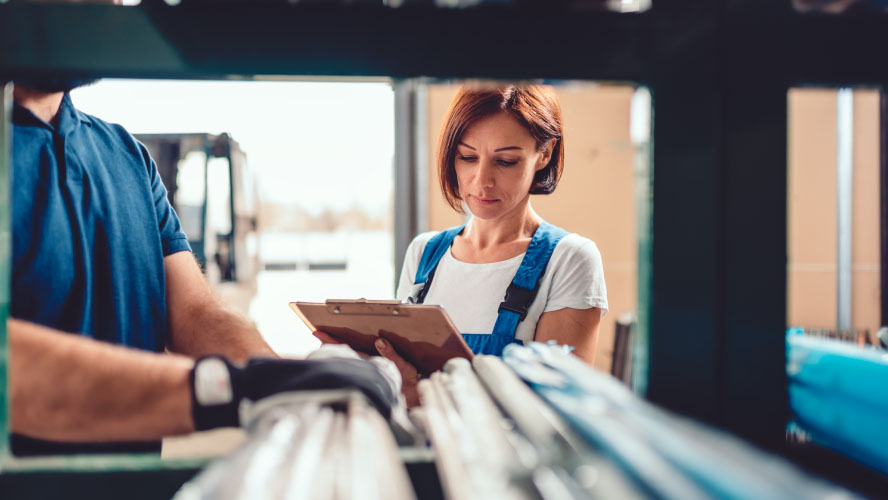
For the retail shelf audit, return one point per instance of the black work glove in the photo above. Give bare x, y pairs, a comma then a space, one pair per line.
218, 387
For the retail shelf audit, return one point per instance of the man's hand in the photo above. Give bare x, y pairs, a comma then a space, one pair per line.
218, 387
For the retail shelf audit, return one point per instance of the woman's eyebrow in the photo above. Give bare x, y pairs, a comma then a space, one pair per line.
508, 148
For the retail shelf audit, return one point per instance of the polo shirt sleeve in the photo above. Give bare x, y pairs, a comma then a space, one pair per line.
172, 237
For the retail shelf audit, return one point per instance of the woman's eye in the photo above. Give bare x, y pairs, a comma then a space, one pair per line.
508, 163
466, 158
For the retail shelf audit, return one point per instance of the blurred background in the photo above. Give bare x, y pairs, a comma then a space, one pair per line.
306, 178
310, 188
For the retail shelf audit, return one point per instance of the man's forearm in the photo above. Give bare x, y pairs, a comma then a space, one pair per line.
212, 329
67, 388
199, 323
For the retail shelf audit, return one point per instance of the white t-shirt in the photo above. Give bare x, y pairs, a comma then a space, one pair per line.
471, 293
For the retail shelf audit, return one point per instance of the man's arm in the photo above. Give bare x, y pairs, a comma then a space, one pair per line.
199, 324
69, 388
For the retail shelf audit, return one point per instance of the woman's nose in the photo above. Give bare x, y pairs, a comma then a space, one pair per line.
485, 174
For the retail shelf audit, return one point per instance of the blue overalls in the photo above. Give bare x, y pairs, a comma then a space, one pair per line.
519, 295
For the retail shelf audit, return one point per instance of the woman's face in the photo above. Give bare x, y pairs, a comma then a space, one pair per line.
495, 162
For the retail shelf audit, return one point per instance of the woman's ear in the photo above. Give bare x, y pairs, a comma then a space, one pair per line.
546, 154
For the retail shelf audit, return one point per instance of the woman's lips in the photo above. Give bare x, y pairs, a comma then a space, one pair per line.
485, 201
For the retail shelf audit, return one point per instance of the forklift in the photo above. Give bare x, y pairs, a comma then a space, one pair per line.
212, 189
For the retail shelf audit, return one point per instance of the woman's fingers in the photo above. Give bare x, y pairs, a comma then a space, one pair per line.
409, 374
325, 338
385, 350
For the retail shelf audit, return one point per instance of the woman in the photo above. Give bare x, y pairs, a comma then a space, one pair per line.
497, 147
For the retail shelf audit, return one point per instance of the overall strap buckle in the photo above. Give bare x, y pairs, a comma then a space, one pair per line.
518, 300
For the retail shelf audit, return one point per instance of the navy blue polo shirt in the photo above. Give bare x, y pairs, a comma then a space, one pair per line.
91, 225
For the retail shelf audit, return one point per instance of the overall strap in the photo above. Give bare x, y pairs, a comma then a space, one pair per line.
525, 285
434, 249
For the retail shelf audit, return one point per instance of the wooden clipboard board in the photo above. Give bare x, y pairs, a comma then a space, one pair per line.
422, 334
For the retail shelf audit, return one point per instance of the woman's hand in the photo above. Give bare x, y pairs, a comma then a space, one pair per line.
325, 338
409, 374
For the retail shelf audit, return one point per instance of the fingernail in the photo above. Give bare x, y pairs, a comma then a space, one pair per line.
380, 344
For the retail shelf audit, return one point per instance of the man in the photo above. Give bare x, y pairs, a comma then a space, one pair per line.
99, 251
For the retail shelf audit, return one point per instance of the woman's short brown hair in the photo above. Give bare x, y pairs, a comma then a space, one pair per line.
534, 106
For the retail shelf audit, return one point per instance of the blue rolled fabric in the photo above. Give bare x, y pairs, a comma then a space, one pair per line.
838, 393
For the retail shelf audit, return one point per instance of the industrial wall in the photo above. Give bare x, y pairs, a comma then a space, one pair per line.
812, 233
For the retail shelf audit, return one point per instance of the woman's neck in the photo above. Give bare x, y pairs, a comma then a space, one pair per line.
510, 228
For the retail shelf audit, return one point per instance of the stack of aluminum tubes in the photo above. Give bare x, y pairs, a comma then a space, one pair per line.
670, 457
326, 445
536, 424
494, 438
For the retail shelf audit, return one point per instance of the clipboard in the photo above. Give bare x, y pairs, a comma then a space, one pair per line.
422, 334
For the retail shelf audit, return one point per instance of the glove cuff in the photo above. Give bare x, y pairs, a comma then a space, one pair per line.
215, 393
